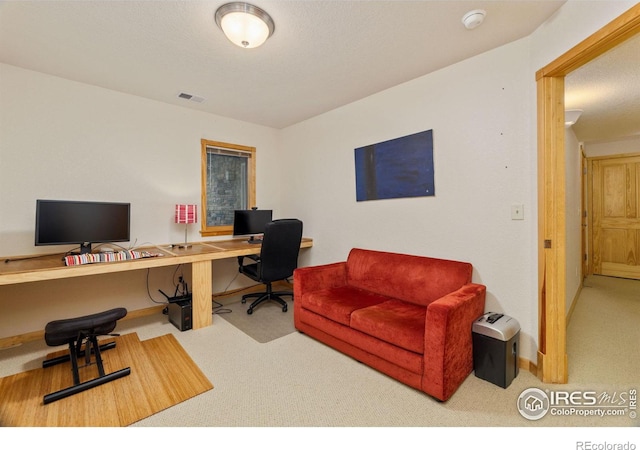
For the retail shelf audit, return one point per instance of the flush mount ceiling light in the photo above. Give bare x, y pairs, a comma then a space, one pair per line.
474, 18
245, 25
571, 116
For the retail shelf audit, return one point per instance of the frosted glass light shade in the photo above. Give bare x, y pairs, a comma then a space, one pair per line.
245, 25
571, 116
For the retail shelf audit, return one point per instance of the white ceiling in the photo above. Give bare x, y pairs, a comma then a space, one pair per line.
607, 89
323, 54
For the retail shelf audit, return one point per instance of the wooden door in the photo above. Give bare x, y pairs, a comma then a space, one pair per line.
615, 216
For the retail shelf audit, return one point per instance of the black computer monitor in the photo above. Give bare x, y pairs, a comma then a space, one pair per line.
251, 222
61, 222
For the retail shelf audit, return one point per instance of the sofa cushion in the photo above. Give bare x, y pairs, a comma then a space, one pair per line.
416, 279
394, 321
338, 303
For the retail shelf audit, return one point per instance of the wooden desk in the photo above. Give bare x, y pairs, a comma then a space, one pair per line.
51, 267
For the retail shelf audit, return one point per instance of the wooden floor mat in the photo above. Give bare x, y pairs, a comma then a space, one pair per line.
162, 375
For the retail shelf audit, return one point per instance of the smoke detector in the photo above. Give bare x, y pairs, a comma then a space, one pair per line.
474, 18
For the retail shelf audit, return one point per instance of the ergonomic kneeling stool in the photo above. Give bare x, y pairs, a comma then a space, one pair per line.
76, 332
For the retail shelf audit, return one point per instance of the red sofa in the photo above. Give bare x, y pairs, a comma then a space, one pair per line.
409, 317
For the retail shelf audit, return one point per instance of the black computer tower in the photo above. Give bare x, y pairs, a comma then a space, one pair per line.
180, 314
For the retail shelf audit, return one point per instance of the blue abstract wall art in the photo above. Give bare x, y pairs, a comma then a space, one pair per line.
399, 168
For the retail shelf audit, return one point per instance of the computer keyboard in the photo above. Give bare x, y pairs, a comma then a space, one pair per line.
90, 258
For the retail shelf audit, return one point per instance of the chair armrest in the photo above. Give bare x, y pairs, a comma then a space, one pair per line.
314, 278
448, 348
255, 258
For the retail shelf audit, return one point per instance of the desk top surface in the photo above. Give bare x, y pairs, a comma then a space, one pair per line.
26, 268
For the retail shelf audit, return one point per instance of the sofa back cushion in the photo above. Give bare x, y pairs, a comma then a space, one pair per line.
415, 279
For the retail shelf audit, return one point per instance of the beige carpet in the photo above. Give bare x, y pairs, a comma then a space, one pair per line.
267, 322
602, 330
296, 381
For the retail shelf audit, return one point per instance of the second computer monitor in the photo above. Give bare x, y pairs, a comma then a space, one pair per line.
251, 222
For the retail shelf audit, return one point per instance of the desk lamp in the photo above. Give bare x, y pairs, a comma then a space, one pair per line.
186, 214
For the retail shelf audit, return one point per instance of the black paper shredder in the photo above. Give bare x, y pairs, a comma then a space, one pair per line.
496, 348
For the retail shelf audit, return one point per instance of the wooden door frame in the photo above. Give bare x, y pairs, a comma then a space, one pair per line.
585, 221
552, 355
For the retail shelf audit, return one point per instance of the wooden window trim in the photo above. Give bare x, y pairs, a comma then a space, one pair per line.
251, 188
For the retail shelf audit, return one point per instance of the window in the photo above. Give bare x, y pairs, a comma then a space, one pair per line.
228, 183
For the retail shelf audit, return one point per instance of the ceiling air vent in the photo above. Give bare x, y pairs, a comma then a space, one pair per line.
193, 98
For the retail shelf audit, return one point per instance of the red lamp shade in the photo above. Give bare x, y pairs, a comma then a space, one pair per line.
186, 213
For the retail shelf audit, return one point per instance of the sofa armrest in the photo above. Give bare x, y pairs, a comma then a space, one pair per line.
448, 350
314, 278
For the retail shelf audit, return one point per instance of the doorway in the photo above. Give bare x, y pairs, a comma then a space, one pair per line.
552, 355
614, 185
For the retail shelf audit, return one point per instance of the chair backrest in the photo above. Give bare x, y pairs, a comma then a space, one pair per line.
280, 248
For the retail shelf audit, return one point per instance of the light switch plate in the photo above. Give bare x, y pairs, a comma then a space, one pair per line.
517, 212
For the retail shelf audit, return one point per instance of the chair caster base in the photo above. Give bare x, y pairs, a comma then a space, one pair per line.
284, 310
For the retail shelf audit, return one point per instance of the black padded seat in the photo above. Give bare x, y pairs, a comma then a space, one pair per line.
81, 335
59, 332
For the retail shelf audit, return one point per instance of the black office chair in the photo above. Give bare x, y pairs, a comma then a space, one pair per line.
277, 260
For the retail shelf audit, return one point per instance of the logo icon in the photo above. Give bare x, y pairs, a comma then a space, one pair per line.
533, 404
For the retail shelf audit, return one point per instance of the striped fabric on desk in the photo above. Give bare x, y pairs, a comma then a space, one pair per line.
89, 258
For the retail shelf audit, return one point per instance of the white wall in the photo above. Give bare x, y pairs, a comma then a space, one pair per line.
483, 113
575, 21
65, 140
54, 133
479, 113
573, 212
614, 147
